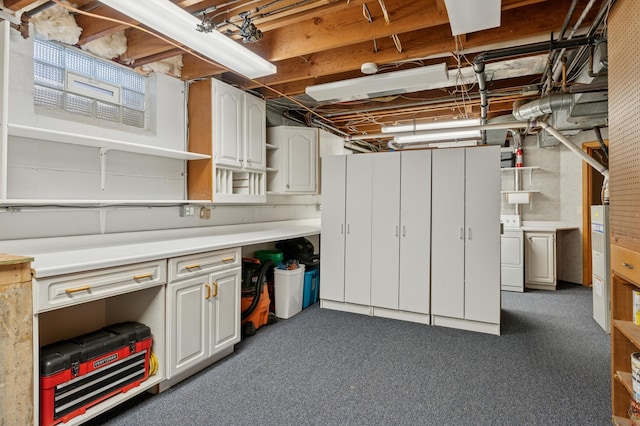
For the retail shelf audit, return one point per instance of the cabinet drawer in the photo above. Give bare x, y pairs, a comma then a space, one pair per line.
203, 263
626, 263
66, 290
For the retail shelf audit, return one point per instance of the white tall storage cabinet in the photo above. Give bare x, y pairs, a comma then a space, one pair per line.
400, 246
465, 285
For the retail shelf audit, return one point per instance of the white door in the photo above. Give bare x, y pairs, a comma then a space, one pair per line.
512, 260
255, 133
224, 305
540, 258
227, 124
482, 248
301, 161
385, 230
447, 233
415, 231
332, 237
187, 324
357, 274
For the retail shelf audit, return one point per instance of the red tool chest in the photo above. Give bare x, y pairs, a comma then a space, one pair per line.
78, 373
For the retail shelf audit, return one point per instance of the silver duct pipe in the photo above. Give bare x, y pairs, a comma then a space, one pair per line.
538, 108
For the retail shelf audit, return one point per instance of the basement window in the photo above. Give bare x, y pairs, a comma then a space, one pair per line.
70, 80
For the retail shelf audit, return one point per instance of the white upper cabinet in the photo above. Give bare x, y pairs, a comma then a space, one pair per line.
255, 119
293, 159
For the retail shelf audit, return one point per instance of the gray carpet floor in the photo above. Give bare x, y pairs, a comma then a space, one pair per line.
550, 366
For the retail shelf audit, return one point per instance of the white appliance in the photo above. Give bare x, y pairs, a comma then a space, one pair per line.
511, 254
600, 265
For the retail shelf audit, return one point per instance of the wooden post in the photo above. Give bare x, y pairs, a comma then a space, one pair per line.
16, 331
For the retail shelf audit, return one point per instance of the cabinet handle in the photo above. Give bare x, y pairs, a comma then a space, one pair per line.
404, 231
469, 235
194, 266
628, 265
208, 291
342, 229
229, 259
348, 228
215, 289
396, 230
461, 233
77, 289
143, 276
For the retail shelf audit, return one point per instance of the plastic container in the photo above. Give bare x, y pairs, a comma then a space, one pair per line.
275, 256
310, 288
288, 289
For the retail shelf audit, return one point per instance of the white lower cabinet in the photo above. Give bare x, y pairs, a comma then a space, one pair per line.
465, 222
203, 317
540, 260
512, 260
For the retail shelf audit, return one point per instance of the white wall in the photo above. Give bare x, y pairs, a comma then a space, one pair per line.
43, 170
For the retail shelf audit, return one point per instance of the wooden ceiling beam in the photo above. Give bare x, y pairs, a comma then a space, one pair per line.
94, 28
15, 5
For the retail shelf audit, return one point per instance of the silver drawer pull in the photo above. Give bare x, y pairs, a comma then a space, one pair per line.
628, 265
143, 276
77, 289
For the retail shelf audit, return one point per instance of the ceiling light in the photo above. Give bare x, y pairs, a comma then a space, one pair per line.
470, 16
179, 25
387, 84
369, 68
441, 136
430, 126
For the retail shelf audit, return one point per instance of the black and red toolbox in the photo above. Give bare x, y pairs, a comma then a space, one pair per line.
78, 373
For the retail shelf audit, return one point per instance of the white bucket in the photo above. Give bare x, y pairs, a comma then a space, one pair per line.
635, 375
288, 288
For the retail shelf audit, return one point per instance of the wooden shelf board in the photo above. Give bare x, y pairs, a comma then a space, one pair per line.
103, 143
620, 421
624, 377
630, 330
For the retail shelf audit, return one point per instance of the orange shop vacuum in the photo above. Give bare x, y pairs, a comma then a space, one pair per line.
255, 295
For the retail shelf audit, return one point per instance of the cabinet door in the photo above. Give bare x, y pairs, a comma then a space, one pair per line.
228, 105
332, 237
415, 231
357, 274
482, 247
301, 161
447, 231
224, 305
255, 133
540, 258
385, 230
187, 324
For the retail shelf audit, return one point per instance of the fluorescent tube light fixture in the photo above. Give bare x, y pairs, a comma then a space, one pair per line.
179, 25
414, 127
440, 136
387, 84
468, 16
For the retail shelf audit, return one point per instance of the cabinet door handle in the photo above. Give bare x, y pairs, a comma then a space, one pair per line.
77, 289
143, 276
228, 259
461, 233
342, 229
404, 231
396, 230
208, 291
628, 265
215, 289
469, 233
194, 266
348, 228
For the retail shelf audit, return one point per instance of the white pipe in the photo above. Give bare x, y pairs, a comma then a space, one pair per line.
589, 160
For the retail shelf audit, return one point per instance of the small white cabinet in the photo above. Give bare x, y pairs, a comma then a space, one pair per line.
292, 160
203, 301
230, 125
540, 264
512, 260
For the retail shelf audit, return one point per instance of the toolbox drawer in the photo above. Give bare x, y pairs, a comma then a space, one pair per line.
203, 263
66, 290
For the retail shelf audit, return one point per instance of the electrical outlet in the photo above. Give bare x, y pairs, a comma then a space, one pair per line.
186, 211
205, 213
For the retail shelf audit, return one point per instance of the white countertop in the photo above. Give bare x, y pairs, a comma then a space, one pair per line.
542, 226
65, 255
